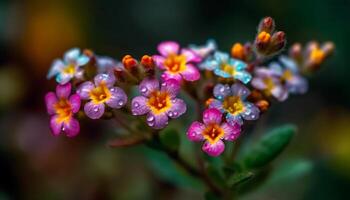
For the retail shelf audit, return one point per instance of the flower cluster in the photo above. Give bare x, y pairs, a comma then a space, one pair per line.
239, 86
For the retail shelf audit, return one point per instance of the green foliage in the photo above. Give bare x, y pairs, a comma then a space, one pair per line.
170, 139
239, 178
268, 147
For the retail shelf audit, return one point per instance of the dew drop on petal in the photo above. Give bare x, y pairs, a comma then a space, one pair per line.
150, 118
121, 102
170, 113
143, 89
112, 90
95, 109
136, 105
175, 113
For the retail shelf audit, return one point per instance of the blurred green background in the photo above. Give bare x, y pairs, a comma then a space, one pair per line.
36, 165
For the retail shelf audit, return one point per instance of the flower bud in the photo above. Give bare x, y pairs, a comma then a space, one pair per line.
266, 25
328, 48
278, 42
263, 105
129, 62
237, 51
147, 62
295, 51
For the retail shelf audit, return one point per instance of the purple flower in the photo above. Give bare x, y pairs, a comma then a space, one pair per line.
278, 82
69, 67
101, 92
232, 102
61, 107
213, 131
158, 102
177, 64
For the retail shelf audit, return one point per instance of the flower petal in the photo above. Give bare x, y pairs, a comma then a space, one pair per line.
71, 128
63, 91
297, 85
84, 89
50, 100
280, 93
72, 55
139, 105
171, 86
251, 112
55, 126
157, 121
75, 102
222, 73
177, 109
105, 64
94, 111
56, 68
190, 55
206, 49
214, 149
118, 98
209, 64
195, 131
168, 75
221, 91
214, 103
191, 73
148, 85
243, 76
82, 60
258, 83
232, 132
63, 78
168, 47
221, 57
289, 63
108, 79
238, 64
159, 61
240, 90
212, 116
234, 119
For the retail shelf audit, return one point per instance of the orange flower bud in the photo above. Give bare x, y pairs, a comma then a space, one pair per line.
263, 105
263, 37
129, 62
237, 51
147, 62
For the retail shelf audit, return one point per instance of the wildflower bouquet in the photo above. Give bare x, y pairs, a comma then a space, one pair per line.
225, 91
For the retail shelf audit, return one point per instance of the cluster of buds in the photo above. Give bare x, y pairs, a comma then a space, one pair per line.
269, 42
311, 56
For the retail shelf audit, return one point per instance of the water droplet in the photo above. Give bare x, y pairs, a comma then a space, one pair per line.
175, 113
95, 109
174, 100
163, 84
143, 89
112, 90
170, 113
63, 129
121, 102
151, 123
136, 105
150, 118
222, 89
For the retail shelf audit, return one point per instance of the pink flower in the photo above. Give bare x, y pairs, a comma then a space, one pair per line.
177, 64
213, 131
62, 106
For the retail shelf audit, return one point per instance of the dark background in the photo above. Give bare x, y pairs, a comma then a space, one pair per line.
36, 165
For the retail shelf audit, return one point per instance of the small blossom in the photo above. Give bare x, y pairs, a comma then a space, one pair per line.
226, 67
213, 131
61, 107
69, 67
106, 64
158, 102
177, 64
204, 50
232, 102
101, 92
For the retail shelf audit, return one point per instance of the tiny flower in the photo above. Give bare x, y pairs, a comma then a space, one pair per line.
69, 67
61, 107
101, 92
213, 131
106, 64
177, 64
158, 102
278, 82
232, 102
226, 67
204, 50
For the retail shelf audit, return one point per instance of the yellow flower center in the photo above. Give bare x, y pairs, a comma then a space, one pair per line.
63, 110
270, 85
159, 102
264, 37
317, 56
213, 133
100, 94
229, 69
233, 105
287, 75
69, 69
175, 63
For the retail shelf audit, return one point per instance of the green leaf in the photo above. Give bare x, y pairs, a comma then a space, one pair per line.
211, 196
268, 148
239, 178
170, 139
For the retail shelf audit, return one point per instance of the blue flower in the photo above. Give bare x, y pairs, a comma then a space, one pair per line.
69, 67
232, 102
224, 66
